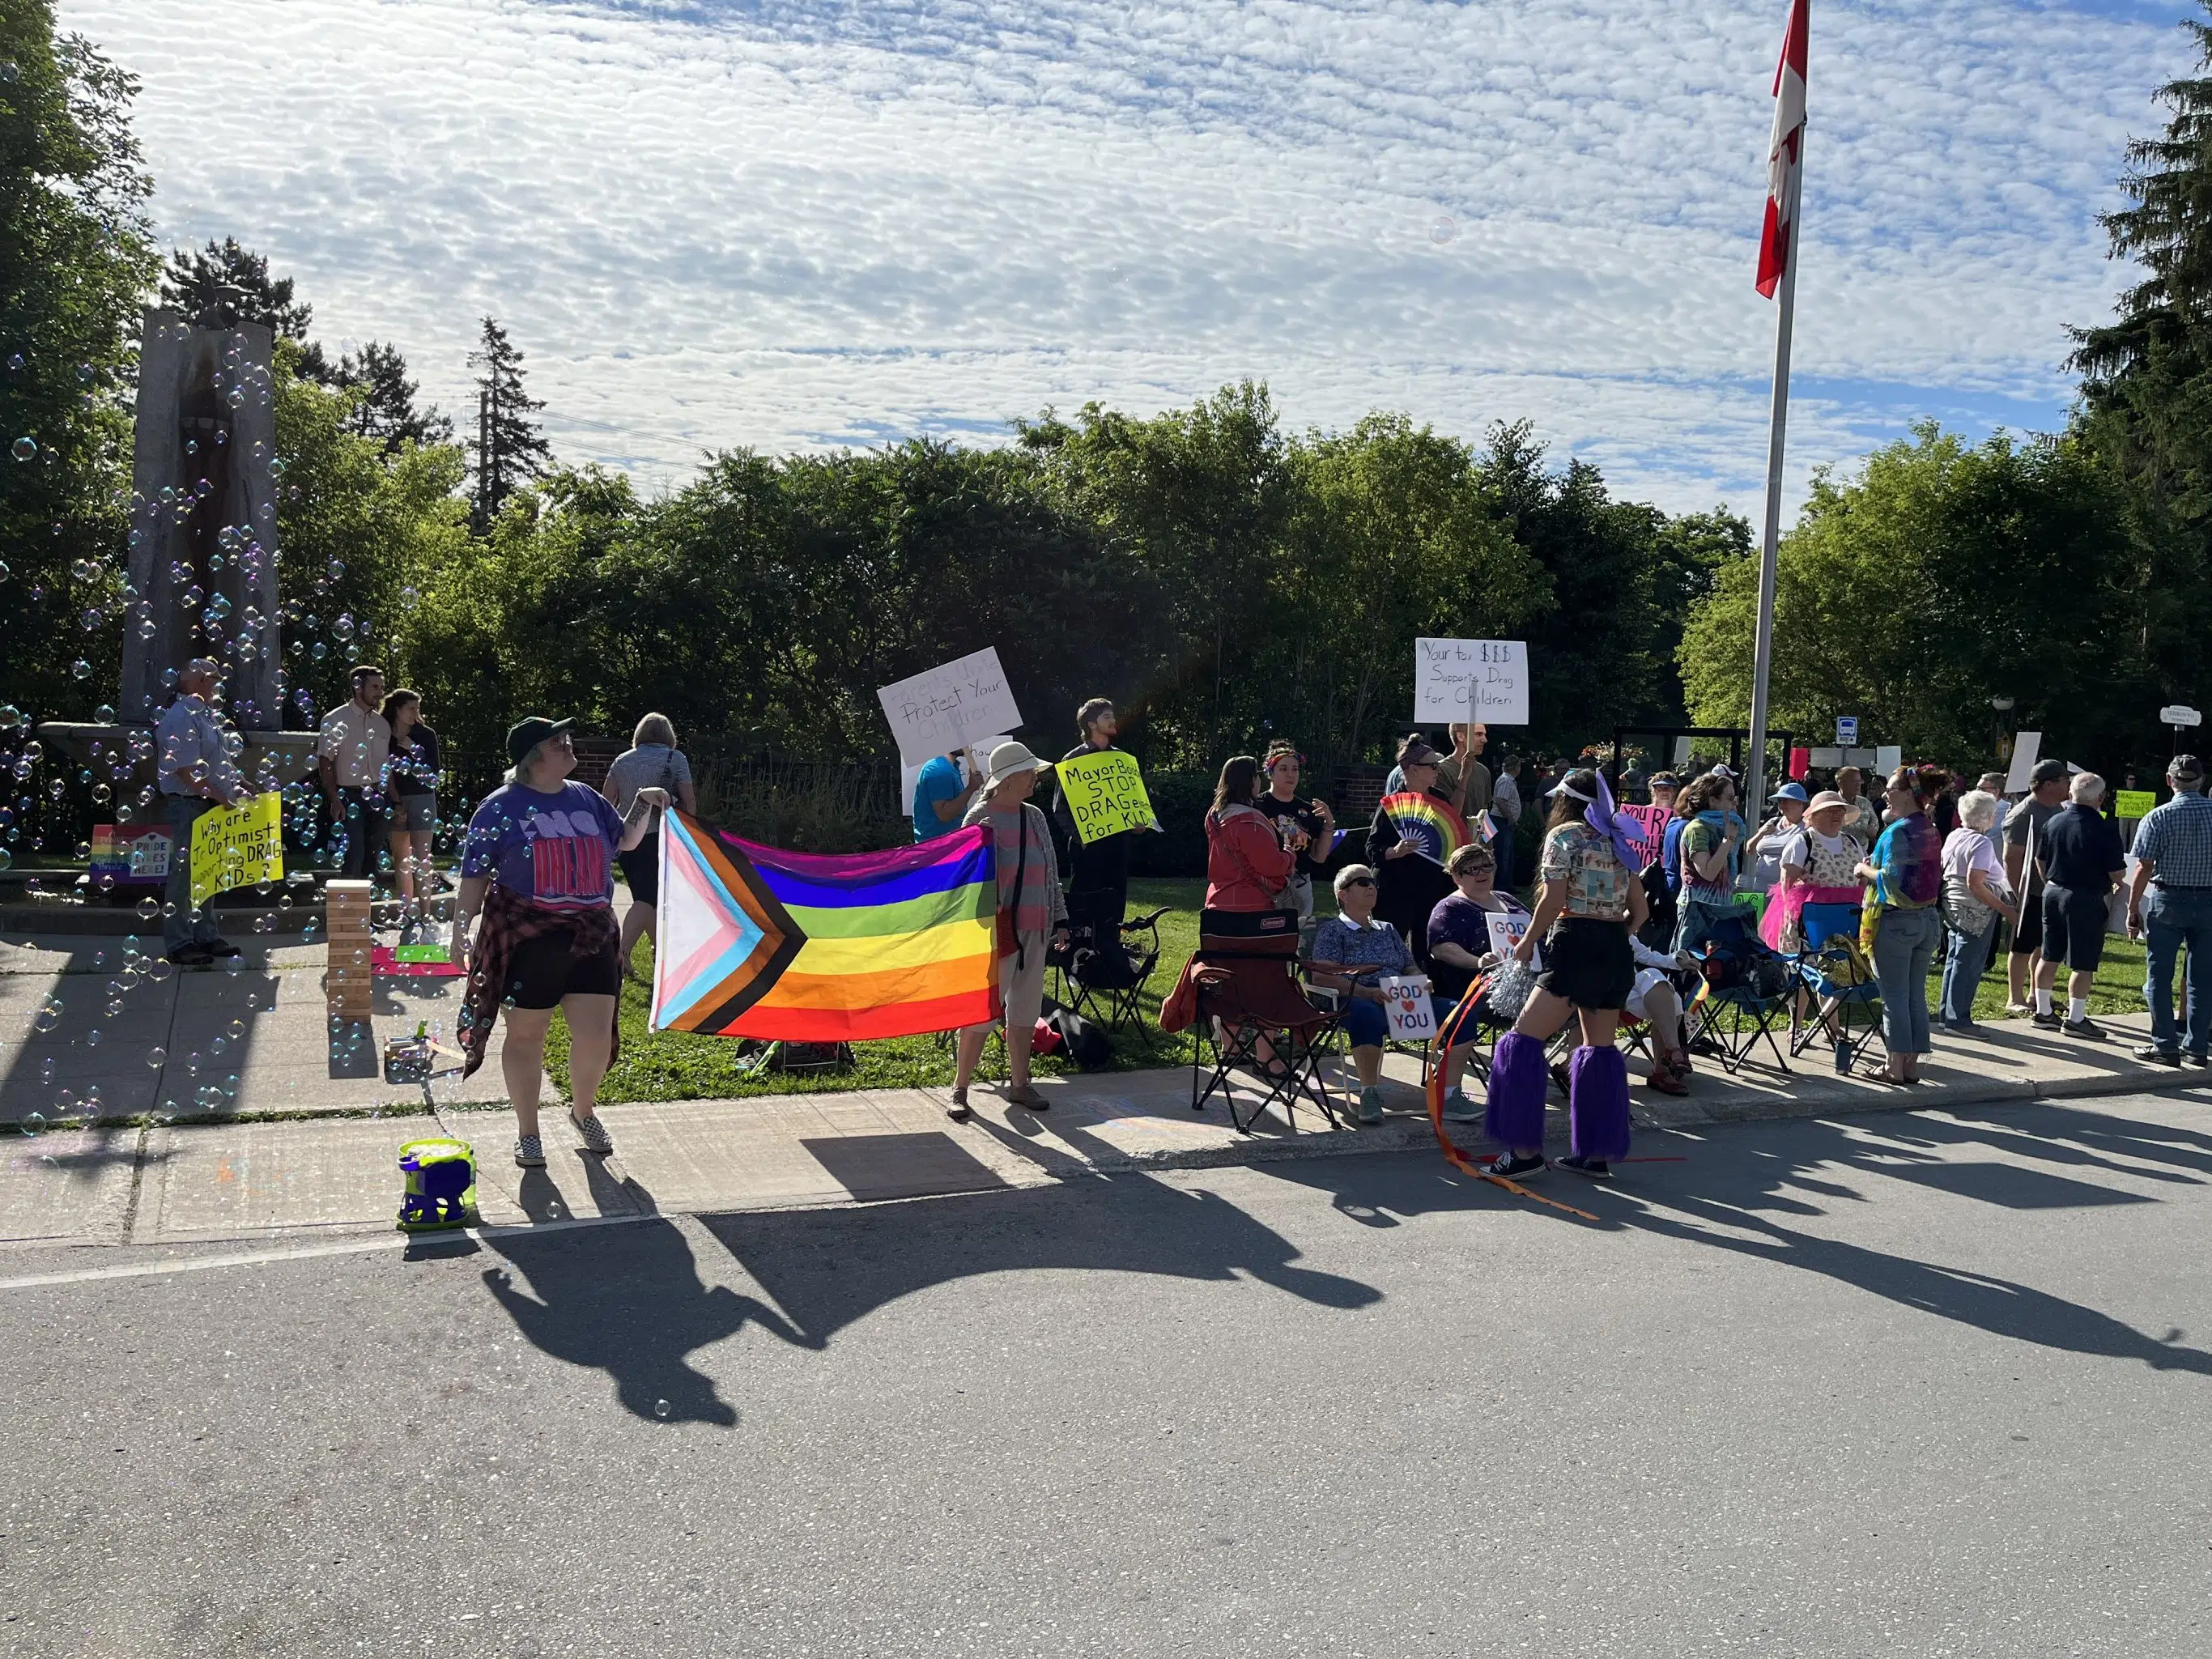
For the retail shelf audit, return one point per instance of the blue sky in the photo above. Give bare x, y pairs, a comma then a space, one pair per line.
795, 224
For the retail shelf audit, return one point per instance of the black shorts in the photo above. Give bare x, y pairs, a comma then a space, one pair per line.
543, 971
2027, 937
2072, 928
1589, 963
640, 868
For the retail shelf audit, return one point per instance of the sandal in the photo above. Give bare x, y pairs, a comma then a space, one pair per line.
1874, 1074
1666, 1082
957, 1111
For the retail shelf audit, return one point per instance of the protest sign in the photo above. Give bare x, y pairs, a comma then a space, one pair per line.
1887, 758
1105, 794
1479, 681
2134, 803
1407, 1000
2027, 747
237, 846
949, 708
1505, 932
1650, 830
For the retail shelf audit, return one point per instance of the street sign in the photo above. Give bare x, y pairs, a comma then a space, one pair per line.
2179, 714
1847, 731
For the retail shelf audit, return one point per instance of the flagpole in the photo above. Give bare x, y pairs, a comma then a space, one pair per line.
1763, 651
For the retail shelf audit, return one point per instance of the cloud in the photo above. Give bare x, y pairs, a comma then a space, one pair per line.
752, 221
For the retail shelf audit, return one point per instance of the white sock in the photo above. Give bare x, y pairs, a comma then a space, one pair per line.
2077, 1009
2042, 1000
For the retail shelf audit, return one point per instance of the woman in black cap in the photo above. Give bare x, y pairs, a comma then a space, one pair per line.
538, 863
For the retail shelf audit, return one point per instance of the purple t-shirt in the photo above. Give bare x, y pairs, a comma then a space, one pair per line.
556, 849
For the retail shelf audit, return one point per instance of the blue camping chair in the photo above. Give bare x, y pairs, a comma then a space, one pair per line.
1834, 975
1749, 985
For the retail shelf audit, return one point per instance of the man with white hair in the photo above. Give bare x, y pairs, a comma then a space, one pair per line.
2082, 862
2169, 906
195, 775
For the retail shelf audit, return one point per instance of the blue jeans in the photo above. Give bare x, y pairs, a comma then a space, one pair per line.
1964, 961
179, 924
1903, 948
2173, 918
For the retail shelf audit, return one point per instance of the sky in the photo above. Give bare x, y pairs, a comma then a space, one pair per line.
802, 224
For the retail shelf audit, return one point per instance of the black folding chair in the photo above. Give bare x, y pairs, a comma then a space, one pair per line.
1103, 983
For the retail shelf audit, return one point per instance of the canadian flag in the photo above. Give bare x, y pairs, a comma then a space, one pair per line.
1786, 155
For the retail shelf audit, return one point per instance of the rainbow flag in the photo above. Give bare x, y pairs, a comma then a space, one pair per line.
1435, 829
809, 947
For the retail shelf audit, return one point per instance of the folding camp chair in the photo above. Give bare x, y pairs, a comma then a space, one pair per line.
1834, 975
1752, 986
1253, 1020
1103, 984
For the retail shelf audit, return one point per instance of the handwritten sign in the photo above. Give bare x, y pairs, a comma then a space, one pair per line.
1479, 681
1406, 1001
238, 846
2026, 746
1505, 935
949, 708
1105, 794
1650, 830
2134, 803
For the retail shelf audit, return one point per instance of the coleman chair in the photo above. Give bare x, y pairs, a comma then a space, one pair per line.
1251, 1019
1750, 986
1836, 983
1102, 982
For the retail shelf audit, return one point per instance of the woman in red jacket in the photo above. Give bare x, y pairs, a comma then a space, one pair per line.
1246, 863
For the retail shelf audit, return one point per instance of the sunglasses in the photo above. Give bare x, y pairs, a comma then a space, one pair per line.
1361, 881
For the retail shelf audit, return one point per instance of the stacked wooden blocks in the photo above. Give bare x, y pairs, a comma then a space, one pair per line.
347, 979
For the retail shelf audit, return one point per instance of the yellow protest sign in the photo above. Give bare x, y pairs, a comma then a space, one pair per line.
1105, 794
237, 846
2136, 803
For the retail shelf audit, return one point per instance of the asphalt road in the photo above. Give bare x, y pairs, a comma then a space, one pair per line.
1902, 1384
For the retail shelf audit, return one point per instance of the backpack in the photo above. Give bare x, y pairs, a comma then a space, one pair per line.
1839, 961
1087, 1047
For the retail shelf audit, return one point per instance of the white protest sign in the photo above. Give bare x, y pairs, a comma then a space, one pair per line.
1887, 758
1406, 999
1482, 681
2025, 747
1505, 934
949, 708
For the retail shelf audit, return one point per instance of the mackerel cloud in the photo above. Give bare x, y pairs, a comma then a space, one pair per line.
792, 226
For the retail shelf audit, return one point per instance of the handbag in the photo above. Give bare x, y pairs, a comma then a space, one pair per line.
1962, 912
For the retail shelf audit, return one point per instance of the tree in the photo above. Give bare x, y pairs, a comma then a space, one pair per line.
224, 283
76, 258
385, 408
510, 449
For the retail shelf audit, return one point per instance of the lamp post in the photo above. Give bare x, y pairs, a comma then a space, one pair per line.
2000, 707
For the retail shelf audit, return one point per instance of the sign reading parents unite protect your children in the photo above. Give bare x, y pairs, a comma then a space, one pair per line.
1480, 680
949, 708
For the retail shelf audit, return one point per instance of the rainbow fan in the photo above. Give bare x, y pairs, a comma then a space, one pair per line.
1436, 831
809, 947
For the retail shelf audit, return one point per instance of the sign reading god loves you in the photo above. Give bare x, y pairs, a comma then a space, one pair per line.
1412, 1018
238, 846
1105, 794
949, 708
1480, 681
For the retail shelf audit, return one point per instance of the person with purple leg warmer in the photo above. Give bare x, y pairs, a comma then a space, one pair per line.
1591, 901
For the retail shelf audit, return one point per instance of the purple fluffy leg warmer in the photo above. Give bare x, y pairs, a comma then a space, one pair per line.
1514, 1114
1598, 1102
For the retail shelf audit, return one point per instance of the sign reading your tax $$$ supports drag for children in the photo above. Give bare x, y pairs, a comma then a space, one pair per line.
2134, 803
1105, 794
1483, 681
949, 708
237, 846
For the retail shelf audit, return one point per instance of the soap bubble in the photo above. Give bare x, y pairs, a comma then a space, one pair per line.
105, 713
33, 1122
234, 966
157, 1058
661, 1409
150, 909
80, 670
25, 449
208, 1098
1442, 230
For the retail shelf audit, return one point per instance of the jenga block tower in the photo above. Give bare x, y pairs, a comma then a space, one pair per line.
347, 981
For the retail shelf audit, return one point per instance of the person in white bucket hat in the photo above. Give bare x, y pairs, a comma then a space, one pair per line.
1032, 915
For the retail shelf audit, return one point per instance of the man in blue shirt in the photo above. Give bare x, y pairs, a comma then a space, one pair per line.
2169, 906
195, 775
940, 798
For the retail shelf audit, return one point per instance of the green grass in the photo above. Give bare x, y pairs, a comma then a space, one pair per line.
680, 1066
2116, 989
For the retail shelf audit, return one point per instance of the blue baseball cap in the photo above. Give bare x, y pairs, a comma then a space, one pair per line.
1791, 791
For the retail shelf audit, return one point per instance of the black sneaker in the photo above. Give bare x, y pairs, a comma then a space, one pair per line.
190, 956
2197, 1059
1594, 1168
2050, 1022
1514, 1167
2151, 1054
2084, 1027
222, 949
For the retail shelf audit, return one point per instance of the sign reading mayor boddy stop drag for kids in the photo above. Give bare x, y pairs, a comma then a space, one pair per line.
949, 708
1105, 794
1482, 681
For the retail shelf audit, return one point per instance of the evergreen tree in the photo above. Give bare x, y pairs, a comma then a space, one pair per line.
387, 410
510, 449
224, 283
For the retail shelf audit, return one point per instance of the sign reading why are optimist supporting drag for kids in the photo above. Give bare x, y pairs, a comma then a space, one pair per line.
237, 846
2134, 803
1105, 794
1483, 682
949, 708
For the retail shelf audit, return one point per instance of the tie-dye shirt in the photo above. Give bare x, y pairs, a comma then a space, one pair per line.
553, 849
1909, 859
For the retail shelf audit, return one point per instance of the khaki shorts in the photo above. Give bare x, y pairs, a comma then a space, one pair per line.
1021, 986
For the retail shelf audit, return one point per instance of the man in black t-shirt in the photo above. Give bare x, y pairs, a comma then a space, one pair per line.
1282, 802
1098, 870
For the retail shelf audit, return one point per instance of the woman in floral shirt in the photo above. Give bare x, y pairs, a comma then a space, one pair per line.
1590, 901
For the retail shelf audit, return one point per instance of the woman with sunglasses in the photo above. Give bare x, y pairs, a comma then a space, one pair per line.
1352, 949
1591, 901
